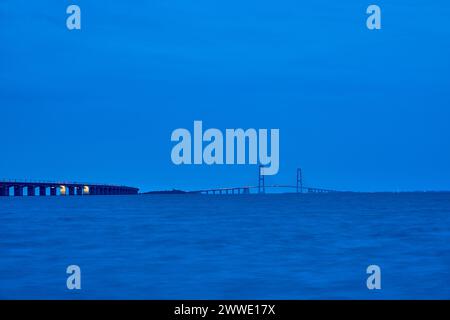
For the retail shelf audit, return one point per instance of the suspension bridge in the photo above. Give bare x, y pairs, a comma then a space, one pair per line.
261, 188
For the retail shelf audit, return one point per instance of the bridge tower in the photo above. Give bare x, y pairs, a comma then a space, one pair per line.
261, 181
299, 181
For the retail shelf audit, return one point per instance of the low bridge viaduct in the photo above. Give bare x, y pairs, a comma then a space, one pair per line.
41, 188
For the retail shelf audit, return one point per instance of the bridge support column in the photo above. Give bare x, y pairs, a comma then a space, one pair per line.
18, 191
71, 191
53, 191
79, 191
299, 188
4, 191
42, 191
31, 191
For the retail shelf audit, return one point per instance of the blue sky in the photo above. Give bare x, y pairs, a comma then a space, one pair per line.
356, 109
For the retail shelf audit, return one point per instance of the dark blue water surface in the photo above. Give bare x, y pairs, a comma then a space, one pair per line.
226, 247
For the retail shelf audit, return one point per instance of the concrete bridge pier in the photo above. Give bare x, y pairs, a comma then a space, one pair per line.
71, 190
4, 191
31, 191
42, 191
18, 191
79, 191
53, 191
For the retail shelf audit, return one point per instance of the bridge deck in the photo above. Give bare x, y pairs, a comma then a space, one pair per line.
261, 189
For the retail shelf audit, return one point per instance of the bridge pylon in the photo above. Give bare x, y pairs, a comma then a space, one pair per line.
261, 180
299, 181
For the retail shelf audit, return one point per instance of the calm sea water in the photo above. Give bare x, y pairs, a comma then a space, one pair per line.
226, 247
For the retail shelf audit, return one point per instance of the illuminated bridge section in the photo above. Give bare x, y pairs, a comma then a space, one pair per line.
44, 188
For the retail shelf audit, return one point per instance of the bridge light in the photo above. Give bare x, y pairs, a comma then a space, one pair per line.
62, 190
86, 190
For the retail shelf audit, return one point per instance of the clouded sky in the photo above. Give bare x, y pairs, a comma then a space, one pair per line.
357, 109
